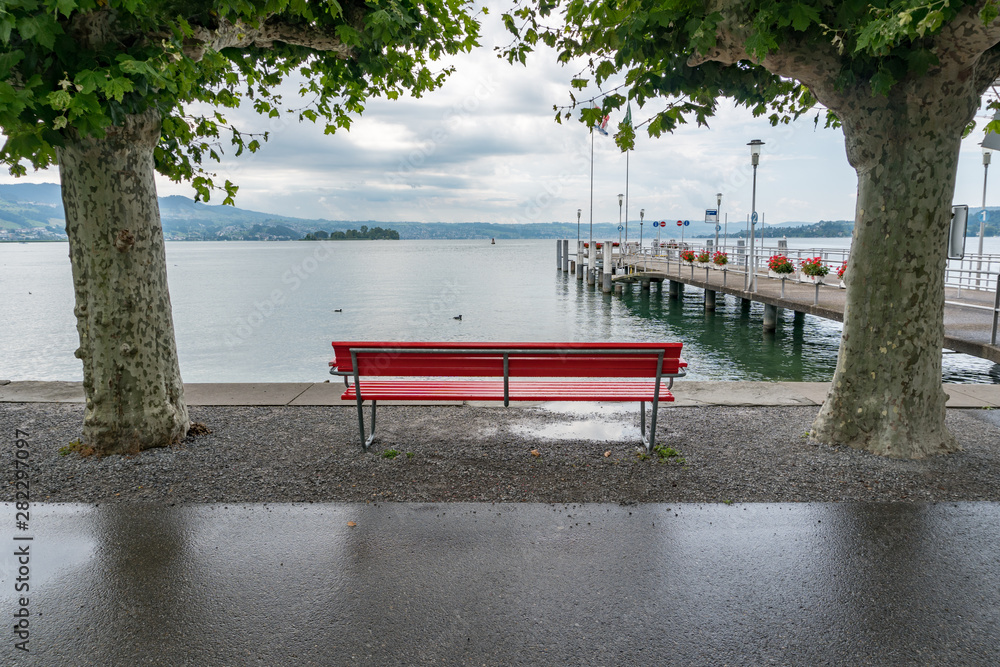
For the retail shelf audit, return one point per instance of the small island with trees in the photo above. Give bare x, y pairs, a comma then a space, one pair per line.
363, 234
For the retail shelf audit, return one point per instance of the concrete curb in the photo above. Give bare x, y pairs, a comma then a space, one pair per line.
686, 393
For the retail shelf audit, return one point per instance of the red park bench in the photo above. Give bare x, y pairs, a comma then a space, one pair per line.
613, 372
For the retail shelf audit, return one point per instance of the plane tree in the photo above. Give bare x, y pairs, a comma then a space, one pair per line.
903, 78
114, 91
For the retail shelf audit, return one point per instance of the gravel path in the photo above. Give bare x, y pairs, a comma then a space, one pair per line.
311, 454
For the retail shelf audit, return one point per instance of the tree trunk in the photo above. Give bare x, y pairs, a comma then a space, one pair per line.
886, 395
135, 398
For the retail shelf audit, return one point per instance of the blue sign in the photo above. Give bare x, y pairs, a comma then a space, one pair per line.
620, 228
718, 228
753, 217
687, 222
656, 223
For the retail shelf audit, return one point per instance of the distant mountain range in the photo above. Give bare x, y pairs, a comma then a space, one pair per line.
35, 211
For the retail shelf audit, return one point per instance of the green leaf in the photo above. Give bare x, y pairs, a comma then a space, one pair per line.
882, 82
59, 100
931, 22
921, 60
802, 16
6, 26
65, 7
116, 87
87, 81
990, 12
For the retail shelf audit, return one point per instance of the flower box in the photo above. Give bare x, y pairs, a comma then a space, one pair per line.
817, 280
779, 276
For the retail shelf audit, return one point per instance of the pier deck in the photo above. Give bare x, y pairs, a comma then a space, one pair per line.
968, 316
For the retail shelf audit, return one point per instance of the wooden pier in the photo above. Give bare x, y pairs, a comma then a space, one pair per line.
969, 315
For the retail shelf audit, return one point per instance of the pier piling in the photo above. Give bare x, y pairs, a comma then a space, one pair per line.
770, 317
565, 255
709, 299
559, 262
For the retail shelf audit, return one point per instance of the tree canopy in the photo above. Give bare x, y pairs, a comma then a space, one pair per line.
74, 68
775, 57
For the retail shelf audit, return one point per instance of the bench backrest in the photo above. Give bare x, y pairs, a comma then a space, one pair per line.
523, 359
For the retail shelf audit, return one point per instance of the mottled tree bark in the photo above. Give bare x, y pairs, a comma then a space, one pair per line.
886, 395
135, 399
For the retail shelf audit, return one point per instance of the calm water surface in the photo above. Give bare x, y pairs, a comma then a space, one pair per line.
260, 311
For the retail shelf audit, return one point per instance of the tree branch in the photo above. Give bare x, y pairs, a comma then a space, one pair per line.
965, 38
241, 35
816, 64
987, 70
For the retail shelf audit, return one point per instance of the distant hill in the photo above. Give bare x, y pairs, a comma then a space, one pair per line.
37, 209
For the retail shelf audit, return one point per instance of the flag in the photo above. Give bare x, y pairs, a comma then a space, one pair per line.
628, 115
602, 127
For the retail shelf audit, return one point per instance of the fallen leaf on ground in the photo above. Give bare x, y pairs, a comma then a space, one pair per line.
535, 452
607, 453
351, 524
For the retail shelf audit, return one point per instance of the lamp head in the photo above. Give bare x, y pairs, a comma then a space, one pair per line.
579, 212
620, 197
755, 146
642, 214
987, 153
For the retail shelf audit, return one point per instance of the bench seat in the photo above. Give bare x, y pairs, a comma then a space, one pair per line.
513, 371
493, 390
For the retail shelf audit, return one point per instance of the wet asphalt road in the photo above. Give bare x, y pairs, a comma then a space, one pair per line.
809, 584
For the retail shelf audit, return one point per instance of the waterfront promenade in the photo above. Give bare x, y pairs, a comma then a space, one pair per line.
687, 394
260, 573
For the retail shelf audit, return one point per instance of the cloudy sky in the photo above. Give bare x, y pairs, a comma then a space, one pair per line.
486, 148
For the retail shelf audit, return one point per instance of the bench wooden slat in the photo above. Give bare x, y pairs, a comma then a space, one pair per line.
489, 390
521, 364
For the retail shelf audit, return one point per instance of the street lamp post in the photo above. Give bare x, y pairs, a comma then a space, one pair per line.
620, 198
642, 214
718, 216
982, 223
754, 160
579, 212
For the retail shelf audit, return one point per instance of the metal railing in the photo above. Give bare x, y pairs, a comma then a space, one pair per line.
976, 275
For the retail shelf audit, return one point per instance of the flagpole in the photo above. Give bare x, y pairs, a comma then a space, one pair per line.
628, 121
590, 249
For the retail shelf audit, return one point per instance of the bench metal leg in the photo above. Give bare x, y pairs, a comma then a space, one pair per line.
366, 443
652, 420
642, 423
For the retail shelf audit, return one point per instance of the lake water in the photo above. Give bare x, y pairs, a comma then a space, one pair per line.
262, 311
